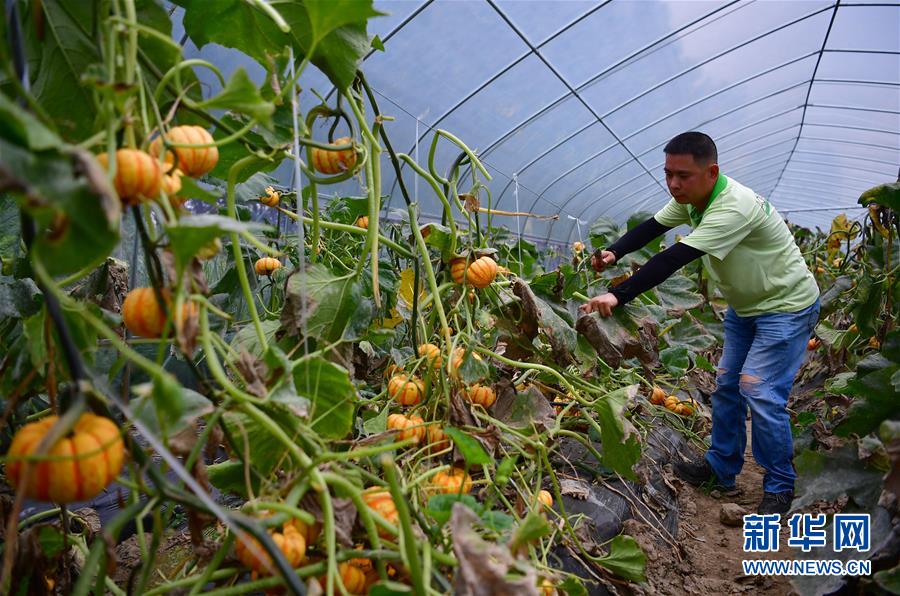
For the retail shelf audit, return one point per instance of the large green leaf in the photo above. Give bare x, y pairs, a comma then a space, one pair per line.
469, 447
21, 128
241, 95
331, 394
676, 360
321, 304
625, 558
266, 452
69, 198
678, 293
325, 17
876, 400
19, 298
829, 476
688, 332
58, 61
562, 337
621, 442
193, 406
192, 232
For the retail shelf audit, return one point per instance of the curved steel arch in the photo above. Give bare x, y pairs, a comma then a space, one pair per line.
830, 175
635, 54
844, 166
847, 127
845, 155
492, 145
848, 142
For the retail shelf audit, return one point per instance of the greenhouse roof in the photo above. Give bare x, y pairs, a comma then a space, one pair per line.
569, 104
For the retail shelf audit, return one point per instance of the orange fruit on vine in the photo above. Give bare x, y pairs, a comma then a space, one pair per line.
412, 427
380, 501
171, 185
272, 198
406, 391
138, 176
458, 270
482, 272
193, 161
437, 438
78, 466
578, 247
874, 343
143, 315
545, 498
813, 344
362, 222
657, 396
452, 481
290, 542
352, 576
333, 161
432, 355
267, 265
546, 588
481, 394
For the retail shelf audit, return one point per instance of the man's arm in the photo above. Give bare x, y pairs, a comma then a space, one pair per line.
655, 271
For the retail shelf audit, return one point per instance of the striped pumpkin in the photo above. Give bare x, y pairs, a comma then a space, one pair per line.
482, 272
290, 542
138, 176
83, 464
479, 394
194, 162
333, 161
406, 391
412, 427
267, 266
143, 316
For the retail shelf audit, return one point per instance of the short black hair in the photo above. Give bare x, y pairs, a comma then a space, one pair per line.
700, 145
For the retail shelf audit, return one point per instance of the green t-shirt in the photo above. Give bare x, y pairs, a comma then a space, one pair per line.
750, 252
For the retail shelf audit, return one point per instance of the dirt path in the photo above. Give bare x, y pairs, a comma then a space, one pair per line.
712, 552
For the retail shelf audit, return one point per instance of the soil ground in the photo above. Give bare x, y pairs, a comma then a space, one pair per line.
711, 552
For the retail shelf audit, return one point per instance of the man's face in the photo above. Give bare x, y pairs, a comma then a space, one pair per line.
688, 181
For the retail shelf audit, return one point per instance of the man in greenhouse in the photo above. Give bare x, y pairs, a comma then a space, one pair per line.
750, 254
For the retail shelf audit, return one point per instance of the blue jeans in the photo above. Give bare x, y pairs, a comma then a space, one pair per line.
761, 358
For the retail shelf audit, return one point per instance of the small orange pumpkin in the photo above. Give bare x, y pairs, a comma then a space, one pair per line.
545, 498
482, 272
437, 438
458, 270
380, 501
352, 576
412, 427
658, 396
406, 391
578, 247
333, 161
83, 463
272, 197
138, 176
171, 185
813, 344
480, 394
267, 265
362, 222
290, 541
432, 355
194, 162
143, 315
452, 481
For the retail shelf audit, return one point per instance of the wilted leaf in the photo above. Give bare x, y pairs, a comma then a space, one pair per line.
621, 336
561, 336
523, 409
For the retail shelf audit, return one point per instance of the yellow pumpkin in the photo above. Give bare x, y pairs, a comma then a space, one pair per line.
545, 498
80, 466
143, 315
333, 161
290, 541
362, 222
138, 176
267, 265
406, 391
482, 272
452, 481
482, 395
432, 355
272, 198
578, 247
194, 162
412, 427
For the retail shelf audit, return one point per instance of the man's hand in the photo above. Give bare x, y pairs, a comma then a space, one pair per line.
601, 259
602, 304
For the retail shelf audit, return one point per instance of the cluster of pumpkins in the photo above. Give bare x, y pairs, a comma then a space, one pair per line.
658, 397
